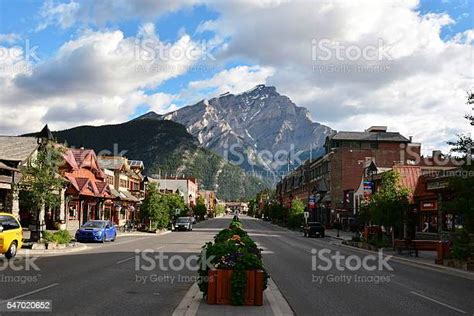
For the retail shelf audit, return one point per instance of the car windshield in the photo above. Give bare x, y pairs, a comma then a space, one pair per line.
182, 220
94, 224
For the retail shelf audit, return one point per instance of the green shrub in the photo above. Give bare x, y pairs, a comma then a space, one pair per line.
461, 249
379, 242
59, 237
62, 237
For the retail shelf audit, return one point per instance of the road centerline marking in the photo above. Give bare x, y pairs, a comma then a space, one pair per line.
29, 293
438, 302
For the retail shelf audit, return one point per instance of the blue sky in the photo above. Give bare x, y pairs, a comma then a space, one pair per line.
83, 71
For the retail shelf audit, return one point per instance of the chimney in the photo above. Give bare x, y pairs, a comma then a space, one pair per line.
377, 129
436, 154
411, 138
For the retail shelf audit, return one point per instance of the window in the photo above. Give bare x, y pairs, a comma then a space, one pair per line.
355, 145
374, 145
72, 212
8, 222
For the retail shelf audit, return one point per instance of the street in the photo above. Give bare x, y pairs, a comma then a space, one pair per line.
103, 279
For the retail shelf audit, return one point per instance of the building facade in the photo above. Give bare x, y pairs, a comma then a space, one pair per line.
327, 184
187, 187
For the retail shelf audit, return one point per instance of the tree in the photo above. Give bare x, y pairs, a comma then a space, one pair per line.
200, 209
252, 211
295, 214
42, 180
389, 205
174, 202
220, 209
155, 208
461, 185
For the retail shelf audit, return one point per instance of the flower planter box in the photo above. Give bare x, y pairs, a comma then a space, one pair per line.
219, 287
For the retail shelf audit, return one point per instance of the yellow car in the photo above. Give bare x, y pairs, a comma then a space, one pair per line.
11, 235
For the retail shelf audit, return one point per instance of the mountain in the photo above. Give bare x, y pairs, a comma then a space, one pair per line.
166, 148
261, 126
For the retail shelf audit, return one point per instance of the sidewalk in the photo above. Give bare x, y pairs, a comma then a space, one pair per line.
273, 304
343, 235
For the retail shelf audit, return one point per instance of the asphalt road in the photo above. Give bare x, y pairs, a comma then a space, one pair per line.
104, 278
407, 290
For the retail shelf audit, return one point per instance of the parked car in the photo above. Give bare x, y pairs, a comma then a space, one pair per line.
313, 229
11, 235
184, 223
96, 230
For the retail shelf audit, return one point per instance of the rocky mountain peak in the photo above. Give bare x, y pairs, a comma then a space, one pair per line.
256, 120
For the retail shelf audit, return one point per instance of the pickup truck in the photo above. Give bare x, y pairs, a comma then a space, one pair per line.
313, 229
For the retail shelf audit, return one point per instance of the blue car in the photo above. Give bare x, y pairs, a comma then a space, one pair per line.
96, 231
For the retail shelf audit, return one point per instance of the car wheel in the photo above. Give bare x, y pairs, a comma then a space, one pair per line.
115, 236
11, 253
322, 236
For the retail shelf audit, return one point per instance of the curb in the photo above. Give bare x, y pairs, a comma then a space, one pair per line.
420, 264
143, 234
190, 303
78, 247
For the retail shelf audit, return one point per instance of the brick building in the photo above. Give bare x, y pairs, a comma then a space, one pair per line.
327, 184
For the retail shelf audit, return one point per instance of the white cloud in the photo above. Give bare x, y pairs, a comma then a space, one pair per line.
9, 38
418, 89
94, 12
99, 77
236, 79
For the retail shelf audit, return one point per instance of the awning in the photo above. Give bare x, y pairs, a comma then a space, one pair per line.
326, 198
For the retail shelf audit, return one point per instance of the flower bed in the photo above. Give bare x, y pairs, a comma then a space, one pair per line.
235, 274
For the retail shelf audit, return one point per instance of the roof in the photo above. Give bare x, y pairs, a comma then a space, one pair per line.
15, 148
371, 136
136, 163
45, 133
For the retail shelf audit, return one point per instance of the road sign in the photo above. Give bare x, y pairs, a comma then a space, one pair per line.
306, 215
312, 201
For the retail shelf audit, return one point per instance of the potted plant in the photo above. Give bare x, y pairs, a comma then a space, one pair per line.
236, 274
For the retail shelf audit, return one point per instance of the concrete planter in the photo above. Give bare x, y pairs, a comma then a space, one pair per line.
219, 287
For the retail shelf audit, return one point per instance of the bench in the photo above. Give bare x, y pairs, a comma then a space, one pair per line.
441, 248
404, 244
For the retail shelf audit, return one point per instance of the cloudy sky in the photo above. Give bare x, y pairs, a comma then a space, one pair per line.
406, 64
